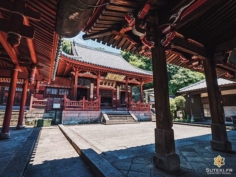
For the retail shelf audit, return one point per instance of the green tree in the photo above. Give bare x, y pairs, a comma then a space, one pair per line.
183, 78
180, 102
66, 47
173, 107
178, 77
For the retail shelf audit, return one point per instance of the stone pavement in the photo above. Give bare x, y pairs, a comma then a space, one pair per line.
129, 148
54, 156
16, 151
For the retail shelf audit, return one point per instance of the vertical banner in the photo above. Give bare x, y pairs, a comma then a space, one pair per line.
118, 92
91, 90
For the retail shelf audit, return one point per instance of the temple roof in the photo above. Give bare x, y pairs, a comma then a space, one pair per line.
202, 85
102, 58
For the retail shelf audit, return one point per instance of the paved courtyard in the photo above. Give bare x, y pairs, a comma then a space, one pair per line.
55, 157
126, 148
129, 148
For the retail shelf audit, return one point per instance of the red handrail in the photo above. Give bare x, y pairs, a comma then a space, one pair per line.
139, 106
83, 105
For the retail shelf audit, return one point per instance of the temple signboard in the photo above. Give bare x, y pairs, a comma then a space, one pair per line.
115, 77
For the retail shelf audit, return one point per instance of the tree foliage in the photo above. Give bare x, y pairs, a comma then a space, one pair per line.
178, 77
66, 47
182, 78
180, 101
173, 107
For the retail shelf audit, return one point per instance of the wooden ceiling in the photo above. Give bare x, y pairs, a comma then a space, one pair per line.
211, 25
41, 50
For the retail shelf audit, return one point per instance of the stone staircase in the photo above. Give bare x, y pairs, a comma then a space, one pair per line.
118, 117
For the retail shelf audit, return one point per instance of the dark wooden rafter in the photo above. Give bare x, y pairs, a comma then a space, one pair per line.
226, 46
199, 12
97, 35
31, 44
10, 50
186, 46
15, 27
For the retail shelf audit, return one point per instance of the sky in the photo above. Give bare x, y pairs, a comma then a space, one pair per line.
92, 43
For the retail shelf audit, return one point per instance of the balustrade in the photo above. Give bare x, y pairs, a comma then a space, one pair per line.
139, 106
83, 104
39, 103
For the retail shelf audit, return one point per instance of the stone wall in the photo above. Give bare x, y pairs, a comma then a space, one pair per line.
80, 117
14, 118
36, 114
142, 115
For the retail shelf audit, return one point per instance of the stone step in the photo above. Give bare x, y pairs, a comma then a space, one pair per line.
112, 122
118, 117
117, 113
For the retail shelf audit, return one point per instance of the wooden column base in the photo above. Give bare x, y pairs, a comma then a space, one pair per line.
4, 136
19, 127
165, 157
167, 163
219, 140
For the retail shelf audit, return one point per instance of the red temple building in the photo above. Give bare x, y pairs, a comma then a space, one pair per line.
88, 84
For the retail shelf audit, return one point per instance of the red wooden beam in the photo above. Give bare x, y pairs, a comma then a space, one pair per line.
53, 54
30, 44
21, 75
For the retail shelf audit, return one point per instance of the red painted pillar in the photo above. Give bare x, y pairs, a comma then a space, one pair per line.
5, 134
32, 74
126, 93
75, 85
141, 92
22, 105
98, 84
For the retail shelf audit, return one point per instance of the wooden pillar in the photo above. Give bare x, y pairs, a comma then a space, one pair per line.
22, 105
91, 91
126, 93
191, 108
141, 92
117, 96
32, 74
219, 135
75, 85
98, 84
164, 157
5, 134
37, 86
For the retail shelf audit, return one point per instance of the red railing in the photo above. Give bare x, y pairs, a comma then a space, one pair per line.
139, 106
83, 105
39, 103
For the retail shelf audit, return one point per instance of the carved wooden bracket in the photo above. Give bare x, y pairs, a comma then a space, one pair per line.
15, 28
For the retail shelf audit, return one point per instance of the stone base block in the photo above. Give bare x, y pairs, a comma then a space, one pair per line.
219, 140
224, 146
4, 136
19, 127
167, 163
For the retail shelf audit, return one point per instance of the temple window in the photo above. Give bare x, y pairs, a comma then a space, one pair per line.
56, 91
63, 91
51, 91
